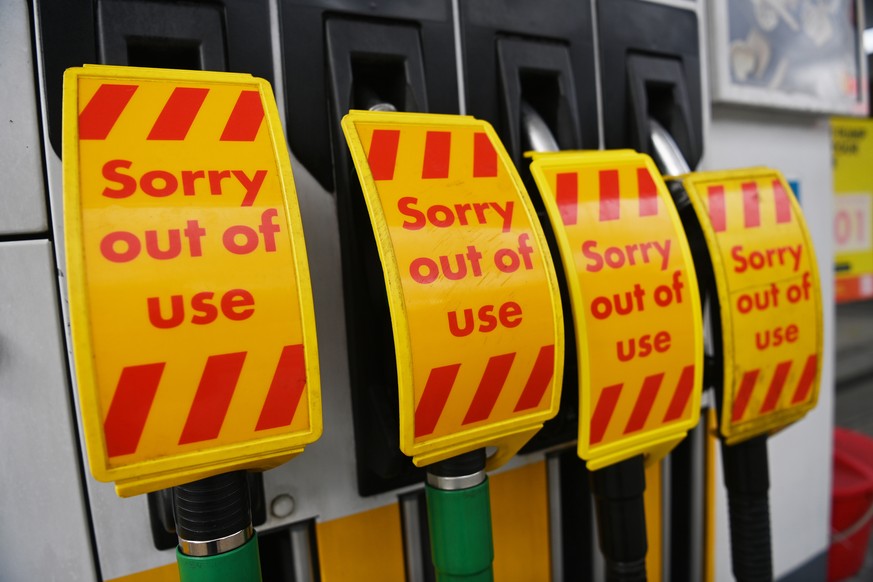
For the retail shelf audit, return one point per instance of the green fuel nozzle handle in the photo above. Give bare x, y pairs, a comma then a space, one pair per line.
459, 519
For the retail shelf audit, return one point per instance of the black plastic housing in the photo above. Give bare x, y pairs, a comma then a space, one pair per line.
540, 52
540, 55
577, 516
309, 66
219, 35
650, 63
342, 56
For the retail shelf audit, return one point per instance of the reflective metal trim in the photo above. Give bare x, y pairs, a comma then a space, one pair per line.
215, 547
668, 156
456, 483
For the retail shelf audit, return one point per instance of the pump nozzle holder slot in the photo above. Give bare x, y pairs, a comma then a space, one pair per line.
379, 66
652, 54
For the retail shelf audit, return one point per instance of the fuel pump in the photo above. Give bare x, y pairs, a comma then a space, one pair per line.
651, 62
483, 369
568, 182
521, 57
758, 275
180, 389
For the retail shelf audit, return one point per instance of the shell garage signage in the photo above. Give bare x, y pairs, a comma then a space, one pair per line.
190, 303
768, 294
474, 300
635, 301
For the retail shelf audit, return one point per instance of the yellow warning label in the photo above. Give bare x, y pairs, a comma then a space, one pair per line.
768, 295
191, 309
636, 306
474, 300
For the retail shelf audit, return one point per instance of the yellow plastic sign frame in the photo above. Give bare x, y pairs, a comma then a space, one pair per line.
256, 423
775, 379
643, 402
448, 144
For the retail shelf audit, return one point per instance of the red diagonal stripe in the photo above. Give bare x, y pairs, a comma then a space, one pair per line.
538, 381
567, 196
103, 110
609, 201
751, 205
717, 215
645, 400
484, 156
682, 394
648, 193
775, 389
433, 399
245, 119
178, 114
285, 389
212, 398
437, 146
747, 386
806, 380
783, 204
489, 388
603, 412
383, 153
130, 407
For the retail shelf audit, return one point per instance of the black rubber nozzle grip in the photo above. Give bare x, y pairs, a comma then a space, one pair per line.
212, 508
747, 478
621, 519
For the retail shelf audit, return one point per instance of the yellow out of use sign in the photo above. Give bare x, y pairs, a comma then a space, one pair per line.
635, 300
190, 302
474, 300
768, 298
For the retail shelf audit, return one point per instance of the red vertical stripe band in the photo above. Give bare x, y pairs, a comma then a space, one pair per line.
433, 399
130, 407
715, 196
287, 386
567, 196
806, 379
484, 156
776, 385
382, 156
212, 399
681, 396
648, 193
489, 388
645, 400
437, 148
783, 204
751, 205
603, 412
178, 114
245, 119
103, 110
741, 401
538, 381
609, 195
